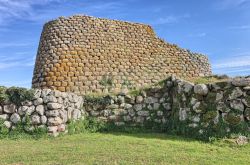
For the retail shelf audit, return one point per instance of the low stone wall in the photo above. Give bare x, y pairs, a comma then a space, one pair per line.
214, 109
49, 109
200, 110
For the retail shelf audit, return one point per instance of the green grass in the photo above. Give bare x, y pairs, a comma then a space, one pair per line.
100, 148
207, 80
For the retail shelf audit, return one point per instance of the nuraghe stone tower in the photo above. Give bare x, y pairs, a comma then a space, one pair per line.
77, 52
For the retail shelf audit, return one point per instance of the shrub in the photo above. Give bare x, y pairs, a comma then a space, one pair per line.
17, 95
3, 129
89, 124
3, 95
107, 81
22, 130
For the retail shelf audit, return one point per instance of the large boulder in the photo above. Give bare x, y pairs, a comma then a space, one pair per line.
53, 106
37, 93
54, 121
40, 109
22, 110
7, 124
4, 117
139, 99
241, 140
188, 87
43, 119
35, 119
241, 82
247, 114
15, 118
201, 89
38, 101
236, 93
49, 99
11, 108
52, 113
30, 110
237, 104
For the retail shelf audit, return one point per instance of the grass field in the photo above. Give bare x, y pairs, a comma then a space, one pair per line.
98, 148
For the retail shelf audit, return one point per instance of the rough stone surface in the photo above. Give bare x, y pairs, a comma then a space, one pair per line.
229, 105
40, 109
43, 119
201, 89
76, 52
241, 140
52, 113
241, 82
11, 108
4, 117
35, 119
7, 124
15, 118
54, 106
38, 101
54, 121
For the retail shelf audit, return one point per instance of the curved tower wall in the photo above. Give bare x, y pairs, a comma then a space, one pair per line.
76, 53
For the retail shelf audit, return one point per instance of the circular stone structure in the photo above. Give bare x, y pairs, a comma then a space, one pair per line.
81, 53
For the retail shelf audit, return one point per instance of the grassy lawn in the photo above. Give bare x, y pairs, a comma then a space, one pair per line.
98, 148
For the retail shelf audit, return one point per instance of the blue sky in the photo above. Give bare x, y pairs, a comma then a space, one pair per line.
218, 28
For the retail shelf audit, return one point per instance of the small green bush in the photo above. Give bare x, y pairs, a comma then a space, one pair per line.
88, 124
107, 81
22, 130
3, 129
99, 100
3, 95
17, 95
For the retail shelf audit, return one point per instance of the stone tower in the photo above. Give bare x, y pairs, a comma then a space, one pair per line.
77, 53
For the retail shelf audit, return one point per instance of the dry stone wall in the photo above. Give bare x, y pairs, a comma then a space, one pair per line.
49, 109
199, 110
75, 53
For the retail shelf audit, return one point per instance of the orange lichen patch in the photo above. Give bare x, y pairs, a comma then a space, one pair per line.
50, 74
57, 83
60, 78
65, 60
62, 89
47, 78
73, 52
53, 78
49, 83
64, 84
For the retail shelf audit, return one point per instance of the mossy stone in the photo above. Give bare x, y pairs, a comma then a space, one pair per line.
222, 84
232, 119
247, 114
248, 100
209, 116
211, 97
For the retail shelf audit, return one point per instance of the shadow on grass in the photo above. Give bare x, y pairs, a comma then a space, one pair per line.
147, 135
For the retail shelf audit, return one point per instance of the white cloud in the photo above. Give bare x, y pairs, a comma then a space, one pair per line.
199, 35
11, 45
10, 61
241, 27
234, 61
239, 63
230, 4
170, 19
19, 9
23, 83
